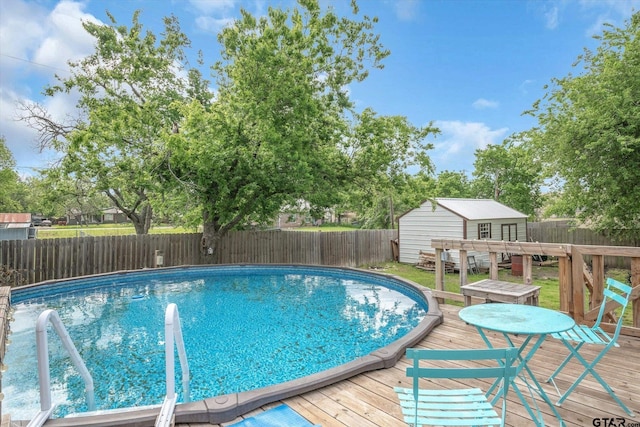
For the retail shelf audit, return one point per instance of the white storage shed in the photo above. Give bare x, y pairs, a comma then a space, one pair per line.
472, 219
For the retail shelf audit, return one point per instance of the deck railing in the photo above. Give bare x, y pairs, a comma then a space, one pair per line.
581, 289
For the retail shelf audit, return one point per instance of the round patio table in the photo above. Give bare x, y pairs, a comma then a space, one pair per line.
525, 320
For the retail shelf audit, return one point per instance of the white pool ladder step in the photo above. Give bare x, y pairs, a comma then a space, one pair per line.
173, 333
44, 373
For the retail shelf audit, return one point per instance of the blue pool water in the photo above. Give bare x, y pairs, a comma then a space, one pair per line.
245, 327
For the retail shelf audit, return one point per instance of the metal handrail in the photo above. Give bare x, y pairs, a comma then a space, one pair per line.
44, 373
173, 330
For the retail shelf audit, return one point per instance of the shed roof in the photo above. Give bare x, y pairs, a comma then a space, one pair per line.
477, 209
20, 218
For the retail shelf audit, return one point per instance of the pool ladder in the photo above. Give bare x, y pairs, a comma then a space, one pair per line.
42, 347
173, 333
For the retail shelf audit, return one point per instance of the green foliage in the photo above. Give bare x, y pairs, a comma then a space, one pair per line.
509, 173
126, 87
589, 134
282, 127
11, 188
54, 194
453, 184
381, 150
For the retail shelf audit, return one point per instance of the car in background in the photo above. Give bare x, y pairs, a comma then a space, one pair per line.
45, 223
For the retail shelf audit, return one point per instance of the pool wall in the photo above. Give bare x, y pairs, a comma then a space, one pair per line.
228, 407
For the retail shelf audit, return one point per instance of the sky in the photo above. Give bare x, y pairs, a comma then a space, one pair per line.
472, 67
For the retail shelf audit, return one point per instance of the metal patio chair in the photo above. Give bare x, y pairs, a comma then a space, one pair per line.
457, 407
575, 338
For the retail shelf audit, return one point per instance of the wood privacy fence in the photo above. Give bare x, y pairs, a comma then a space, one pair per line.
32, 261
562, 232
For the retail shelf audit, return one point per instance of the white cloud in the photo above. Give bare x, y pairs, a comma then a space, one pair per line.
209, 7
65, 39
20, 30
459, 140
624, 8
20, 139
524, 86
212, 25
551, 16
406, 10
40, 44
481, 104
599, 11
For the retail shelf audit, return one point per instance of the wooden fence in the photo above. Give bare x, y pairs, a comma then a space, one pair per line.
562, 232
32, 261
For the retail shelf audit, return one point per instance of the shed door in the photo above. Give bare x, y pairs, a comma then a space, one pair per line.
510, 232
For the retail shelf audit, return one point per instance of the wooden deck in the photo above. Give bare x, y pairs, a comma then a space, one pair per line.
368, 400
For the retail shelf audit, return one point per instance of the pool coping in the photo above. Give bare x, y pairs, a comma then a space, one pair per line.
228, 407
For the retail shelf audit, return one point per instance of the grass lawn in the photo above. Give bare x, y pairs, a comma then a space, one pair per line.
546, 277
63, 231
330, 227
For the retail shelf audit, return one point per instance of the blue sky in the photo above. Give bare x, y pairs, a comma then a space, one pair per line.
470, 66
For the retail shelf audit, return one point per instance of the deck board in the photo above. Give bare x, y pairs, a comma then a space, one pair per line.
368, 399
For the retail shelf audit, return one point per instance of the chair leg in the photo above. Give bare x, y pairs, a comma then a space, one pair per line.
566, 360
589, 369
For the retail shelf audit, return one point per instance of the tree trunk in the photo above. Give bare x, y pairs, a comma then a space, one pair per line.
211, 236
142, 222
213, 230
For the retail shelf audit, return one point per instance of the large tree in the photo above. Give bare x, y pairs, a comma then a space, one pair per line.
282, 127
126, 88
589, 133
509, 173
453, 184
382, 151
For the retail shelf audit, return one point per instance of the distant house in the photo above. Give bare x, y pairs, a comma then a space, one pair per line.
16, 226
77, 217
113, 216
472, 219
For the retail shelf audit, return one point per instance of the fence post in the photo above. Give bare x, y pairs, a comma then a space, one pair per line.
464, 266
564, 278
577, 285
493, 265
597, 271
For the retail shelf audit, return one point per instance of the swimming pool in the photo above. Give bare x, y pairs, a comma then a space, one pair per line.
246, 328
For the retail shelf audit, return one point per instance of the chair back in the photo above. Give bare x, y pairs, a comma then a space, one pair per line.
618, 292
502, 367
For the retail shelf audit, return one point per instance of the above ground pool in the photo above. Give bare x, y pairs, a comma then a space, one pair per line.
245, 328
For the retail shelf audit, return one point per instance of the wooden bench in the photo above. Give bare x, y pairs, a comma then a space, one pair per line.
499, 291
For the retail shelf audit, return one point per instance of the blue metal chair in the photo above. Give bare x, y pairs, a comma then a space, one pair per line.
575, 338
459, 407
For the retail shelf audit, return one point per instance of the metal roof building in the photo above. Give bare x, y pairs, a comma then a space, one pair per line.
445, 218
16, 226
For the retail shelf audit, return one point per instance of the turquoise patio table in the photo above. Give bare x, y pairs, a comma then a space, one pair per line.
534, 323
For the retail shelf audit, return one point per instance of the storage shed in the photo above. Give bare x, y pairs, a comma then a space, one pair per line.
16, 226
472, 219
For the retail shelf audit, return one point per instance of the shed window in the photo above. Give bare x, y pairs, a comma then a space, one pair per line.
484, 230
510, 232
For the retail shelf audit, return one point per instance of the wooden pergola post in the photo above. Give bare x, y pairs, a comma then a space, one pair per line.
439, 273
